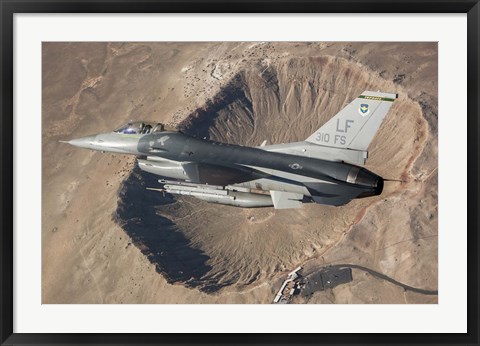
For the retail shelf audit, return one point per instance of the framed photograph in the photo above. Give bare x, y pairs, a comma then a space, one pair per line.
236, 173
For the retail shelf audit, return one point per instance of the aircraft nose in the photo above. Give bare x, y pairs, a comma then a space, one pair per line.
83, 142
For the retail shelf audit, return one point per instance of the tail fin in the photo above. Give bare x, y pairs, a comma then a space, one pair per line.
355, 126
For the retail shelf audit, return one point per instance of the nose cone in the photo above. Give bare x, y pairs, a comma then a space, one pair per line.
84, 142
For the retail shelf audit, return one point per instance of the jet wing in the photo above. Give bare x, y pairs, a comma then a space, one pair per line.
203, 173
199, 173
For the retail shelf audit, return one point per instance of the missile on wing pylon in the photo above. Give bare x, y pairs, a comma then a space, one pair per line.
228, 197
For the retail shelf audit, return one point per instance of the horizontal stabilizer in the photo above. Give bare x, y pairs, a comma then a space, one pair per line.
334, 201
333, 194
286, 200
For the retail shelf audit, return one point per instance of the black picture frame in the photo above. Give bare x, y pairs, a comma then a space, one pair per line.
10, 7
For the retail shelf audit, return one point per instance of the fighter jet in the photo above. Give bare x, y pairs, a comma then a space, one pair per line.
325, 168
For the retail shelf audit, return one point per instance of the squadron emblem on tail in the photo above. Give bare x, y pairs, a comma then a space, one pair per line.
364, 109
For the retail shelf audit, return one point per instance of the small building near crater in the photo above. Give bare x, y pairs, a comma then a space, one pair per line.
324, 279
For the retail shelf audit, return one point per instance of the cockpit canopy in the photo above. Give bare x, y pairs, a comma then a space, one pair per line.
142, 128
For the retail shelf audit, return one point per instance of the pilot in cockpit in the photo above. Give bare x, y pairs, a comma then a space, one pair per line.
142, 128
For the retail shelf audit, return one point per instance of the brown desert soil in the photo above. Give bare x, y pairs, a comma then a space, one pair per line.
106, 239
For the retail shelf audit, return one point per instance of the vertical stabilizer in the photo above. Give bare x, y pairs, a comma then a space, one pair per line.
355, 126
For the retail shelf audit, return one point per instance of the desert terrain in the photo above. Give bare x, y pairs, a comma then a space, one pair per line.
106, 239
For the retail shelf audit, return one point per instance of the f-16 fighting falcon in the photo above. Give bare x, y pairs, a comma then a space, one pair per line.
324, 168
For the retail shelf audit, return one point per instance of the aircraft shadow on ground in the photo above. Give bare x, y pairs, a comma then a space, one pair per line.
159, 238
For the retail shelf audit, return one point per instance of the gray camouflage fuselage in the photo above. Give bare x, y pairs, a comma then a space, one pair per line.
323, 168
255, 168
